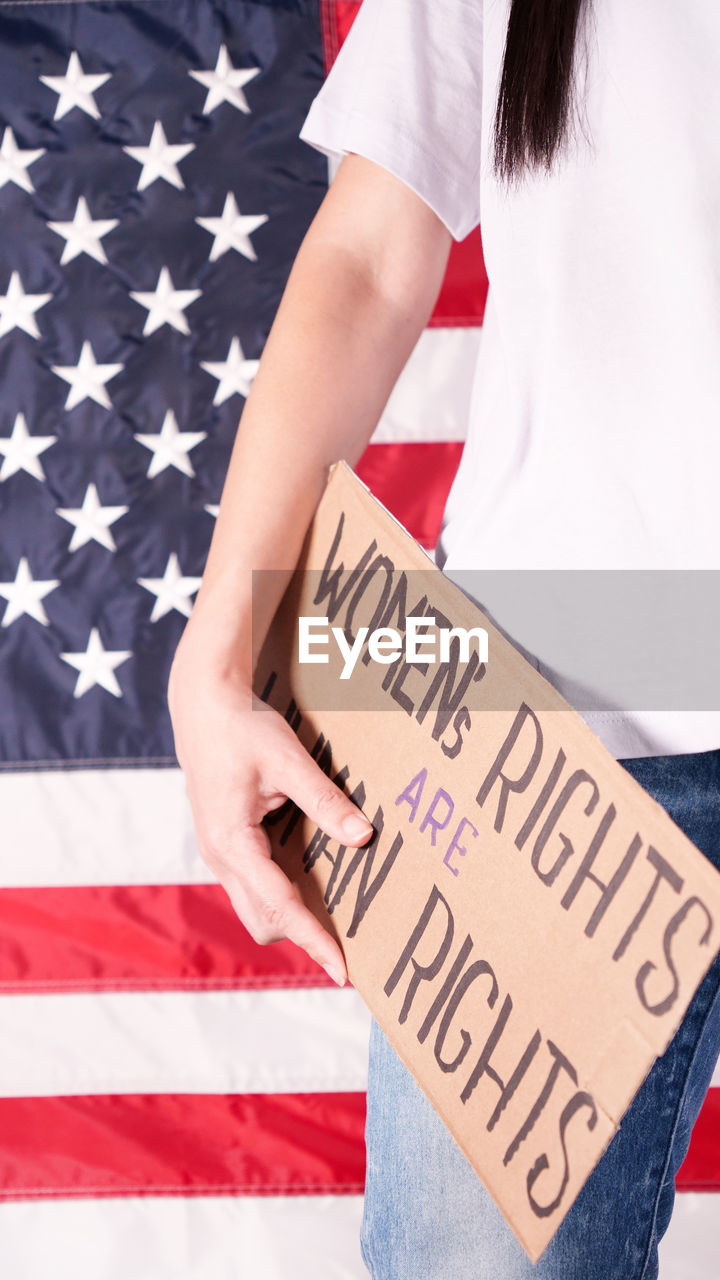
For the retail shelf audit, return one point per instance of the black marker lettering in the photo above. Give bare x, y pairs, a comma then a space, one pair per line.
483, 1065
380, 562
476, 970
545, 793
328, 583
560, 1063
460, 719
396, 615
358, 798
663, 872
401, 674
447, 986
542, 1163
664, 1005
422, 972
496, 774
585, 872
575, 780
450, 694
269, 686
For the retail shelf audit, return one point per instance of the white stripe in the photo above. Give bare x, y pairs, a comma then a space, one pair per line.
690, 1250
97, 826
202, 1238
154, 1238
302, 1237
178, 1042
716, 1074
431, 398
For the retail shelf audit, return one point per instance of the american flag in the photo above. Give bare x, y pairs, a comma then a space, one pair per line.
175, 1101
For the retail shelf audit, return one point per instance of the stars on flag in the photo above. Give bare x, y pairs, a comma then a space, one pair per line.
225, 83
172, 591
160, 159
87, 378
170, 447
234, 374
22, 451
232, 230
15, 162
81, 231
83, 235
166, 304
75, 89
25, 595
17, 308
92, 521
96, 666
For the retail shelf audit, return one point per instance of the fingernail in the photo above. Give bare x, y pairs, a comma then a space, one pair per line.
356, 827
335, 974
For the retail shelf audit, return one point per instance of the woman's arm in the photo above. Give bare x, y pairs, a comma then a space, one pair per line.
361, 290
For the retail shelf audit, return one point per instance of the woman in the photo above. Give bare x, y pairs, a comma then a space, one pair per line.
583, 136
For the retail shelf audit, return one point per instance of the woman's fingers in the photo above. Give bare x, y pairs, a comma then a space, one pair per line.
238, 767
304, 782
270, 906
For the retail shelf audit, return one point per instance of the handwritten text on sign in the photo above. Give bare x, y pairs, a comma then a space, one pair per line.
526, 924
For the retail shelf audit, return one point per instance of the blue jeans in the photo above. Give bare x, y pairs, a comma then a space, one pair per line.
426, 1214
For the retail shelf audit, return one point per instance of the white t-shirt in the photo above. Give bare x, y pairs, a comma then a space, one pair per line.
593, 441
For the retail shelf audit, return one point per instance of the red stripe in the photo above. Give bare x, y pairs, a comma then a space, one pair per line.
461, 300
701, 1168
412, 480
139, 936
193, 1144
337, 17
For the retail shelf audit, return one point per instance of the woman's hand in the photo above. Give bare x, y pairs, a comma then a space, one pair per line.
241, 760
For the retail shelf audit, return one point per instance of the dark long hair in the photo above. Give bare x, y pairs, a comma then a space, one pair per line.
535, 98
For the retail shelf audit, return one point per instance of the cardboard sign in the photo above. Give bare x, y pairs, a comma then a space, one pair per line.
527, 924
